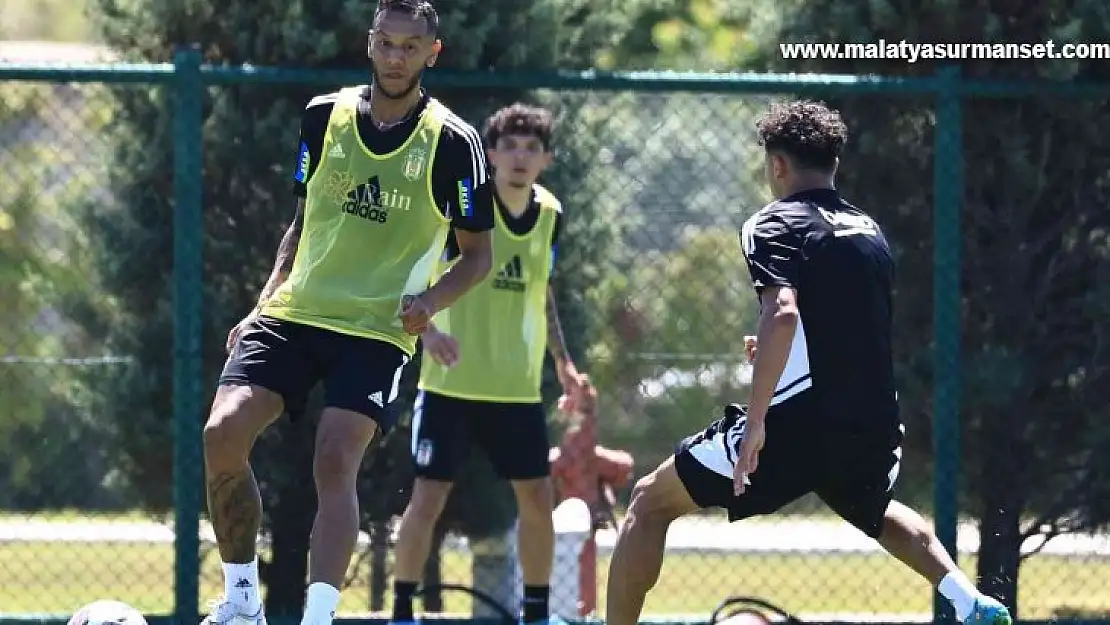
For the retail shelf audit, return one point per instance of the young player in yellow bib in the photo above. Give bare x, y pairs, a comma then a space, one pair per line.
483, 360
384, 173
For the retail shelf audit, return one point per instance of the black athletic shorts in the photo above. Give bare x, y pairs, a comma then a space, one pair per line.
851, 465
513, 436
359, 374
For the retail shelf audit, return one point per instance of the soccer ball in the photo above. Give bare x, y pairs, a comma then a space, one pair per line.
107, 612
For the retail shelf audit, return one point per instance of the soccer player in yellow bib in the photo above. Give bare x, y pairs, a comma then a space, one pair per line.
483, 360
384, 173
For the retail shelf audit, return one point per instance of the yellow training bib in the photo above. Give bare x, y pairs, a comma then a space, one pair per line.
372, 232
501, 325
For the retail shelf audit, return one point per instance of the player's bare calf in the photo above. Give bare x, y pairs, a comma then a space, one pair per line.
657, 500
341, 441
239, 414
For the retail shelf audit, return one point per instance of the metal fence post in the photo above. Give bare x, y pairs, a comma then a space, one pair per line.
188, 239
948, 191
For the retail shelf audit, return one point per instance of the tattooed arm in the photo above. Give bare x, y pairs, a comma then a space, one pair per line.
314, 123
286, 254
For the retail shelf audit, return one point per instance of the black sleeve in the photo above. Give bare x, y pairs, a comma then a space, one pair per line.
451, 249
773, 250
461, 180
314, 123
556, 232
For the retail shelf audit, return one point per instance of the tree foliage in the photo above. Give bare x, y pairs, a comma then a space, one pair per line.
683, 35
674, 355
45, 425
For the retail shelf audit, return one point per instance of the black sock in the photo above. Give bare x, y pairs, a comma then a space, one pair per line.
535, 603
402, 601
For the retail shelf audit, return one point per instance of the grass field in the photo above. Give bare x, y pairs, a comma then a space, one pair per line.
56, 578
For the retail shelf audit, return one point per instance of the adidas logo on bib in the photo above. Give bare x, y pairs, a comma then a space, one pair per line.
336, 151
511, 276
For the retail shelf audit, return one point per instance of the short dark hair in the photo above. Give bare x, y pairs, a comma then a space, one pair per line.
416, 8
520, 119
808, 132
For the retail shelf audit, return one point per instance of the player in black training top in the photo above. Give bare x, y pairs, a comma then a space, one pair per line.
822, 416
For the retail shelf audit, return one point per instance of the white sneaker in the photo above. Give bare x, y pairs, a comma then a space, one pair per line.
226, 612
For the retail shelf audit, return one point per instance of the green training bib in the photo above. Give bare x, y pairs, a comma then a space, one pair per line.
372, 232
501, 325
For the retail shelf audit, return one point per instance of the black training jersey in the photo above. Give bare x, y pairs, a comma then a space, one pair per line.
838, 261
460, 156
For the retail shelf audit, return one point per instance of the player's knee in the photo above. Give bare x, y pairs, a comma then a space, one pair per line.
427, 501
340, 447
336, 462
904, 524
231, 428
645, 499
534, 499
654, 498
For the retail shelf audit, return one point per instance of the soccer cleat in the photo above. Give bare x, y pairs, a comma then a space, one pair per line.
988, 611
226, 612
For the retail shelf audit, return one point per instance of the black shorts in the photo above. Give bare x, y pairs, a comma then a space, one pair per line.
359, 374
513, 436
852, 466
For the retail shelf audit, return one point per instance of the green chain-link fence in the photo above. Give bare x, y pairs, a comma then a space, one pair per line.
139, 214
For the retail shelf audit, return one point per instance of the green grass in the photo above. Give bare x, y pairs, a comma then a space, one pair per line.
57, 578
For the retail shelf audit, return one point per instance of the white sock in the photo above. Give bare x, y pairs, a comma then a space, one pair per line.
241, 586
959, 590
320, 605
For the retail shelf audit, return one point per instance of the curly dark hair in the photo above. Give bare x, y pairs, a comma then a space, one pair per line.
519, 119
416, 8
808, 132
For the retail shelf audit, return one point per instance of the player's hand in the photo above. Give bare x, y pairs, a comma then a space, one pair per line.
235, 332
747, 458
750, 348
415, 314
572, 382
583, 400
443, 348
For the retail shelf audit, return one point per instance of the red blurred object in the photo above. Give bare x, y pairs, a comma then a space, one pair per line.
581, 468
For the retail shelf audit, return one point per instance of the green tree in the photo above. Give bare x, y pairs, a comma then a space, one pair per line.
676, 352
45, 20
49, 158
1036, 255
684, 35
250, 133
675, 182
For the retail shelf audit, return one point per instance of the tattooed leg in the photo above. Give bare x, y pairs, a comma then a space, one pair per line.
235, 508
239, 413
